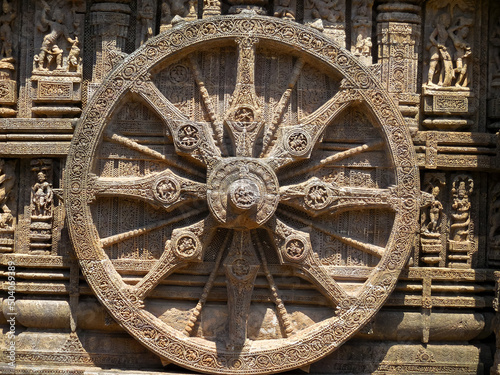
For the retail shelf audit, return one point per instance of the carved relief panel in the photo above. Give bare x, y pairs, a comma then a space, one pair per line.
451, 78
57, 64
190, 163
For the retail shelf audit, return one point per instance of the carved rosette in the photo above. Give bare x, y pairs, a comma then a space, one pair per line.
247, 191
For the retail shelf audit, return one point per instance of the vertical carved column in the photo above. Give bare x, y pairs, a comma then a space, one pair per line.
398, 29
110, 23
459, 244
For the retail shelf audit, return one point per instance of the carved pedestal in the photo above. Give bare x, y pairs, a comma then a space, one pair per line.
56, 93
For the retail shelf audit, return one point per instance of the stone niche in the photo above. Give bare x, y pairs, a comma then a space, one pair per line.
249, 187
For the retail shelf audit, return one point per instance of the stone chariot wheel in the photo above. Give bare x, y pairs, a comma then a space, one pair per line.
241, 195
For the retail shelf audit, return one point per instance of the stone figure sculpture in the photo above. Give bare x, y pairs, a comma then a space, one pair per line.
439, 53
57, 29
42, 196
6, 19
458, 35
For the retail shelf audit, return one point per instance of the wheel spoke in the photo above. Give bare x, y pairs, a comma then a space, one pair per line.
375, 250
209, 106
294, 249
270, 136
111, 240
298, 141
193, 139
193, 318
127, 142
241, 266
316, 197
334, 159
186, 245
244, 118
273, 288
164, 189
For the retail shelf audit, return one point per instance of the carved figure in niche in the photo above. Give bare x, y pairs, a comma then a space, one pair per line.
6, 19
49, 48
6, 185
327, 10
461, 190
284, 10
458, 34
430, 221
495, 41
42, 196
145, 15
439, 52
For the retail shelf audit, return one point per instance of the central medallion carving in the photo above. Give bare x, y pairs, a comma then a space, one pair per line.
242, 192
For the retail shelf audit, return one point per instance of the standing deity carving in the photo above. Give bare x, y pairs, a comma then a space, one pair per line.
42, 196
459, 242
6, 36
42, 204
56, 28
449, 50
458, 35
431, 217
439, 52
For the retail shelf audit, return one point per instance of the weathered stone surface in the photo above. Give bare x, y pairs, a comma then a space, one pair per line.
247, 186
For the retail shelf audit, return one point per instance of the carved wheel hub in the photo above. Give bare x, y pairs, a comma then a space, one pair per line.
242, 192
186, 196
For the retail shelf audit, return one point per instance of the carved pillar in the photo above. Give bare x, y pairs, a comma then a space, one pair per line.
110, 24
398, 29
